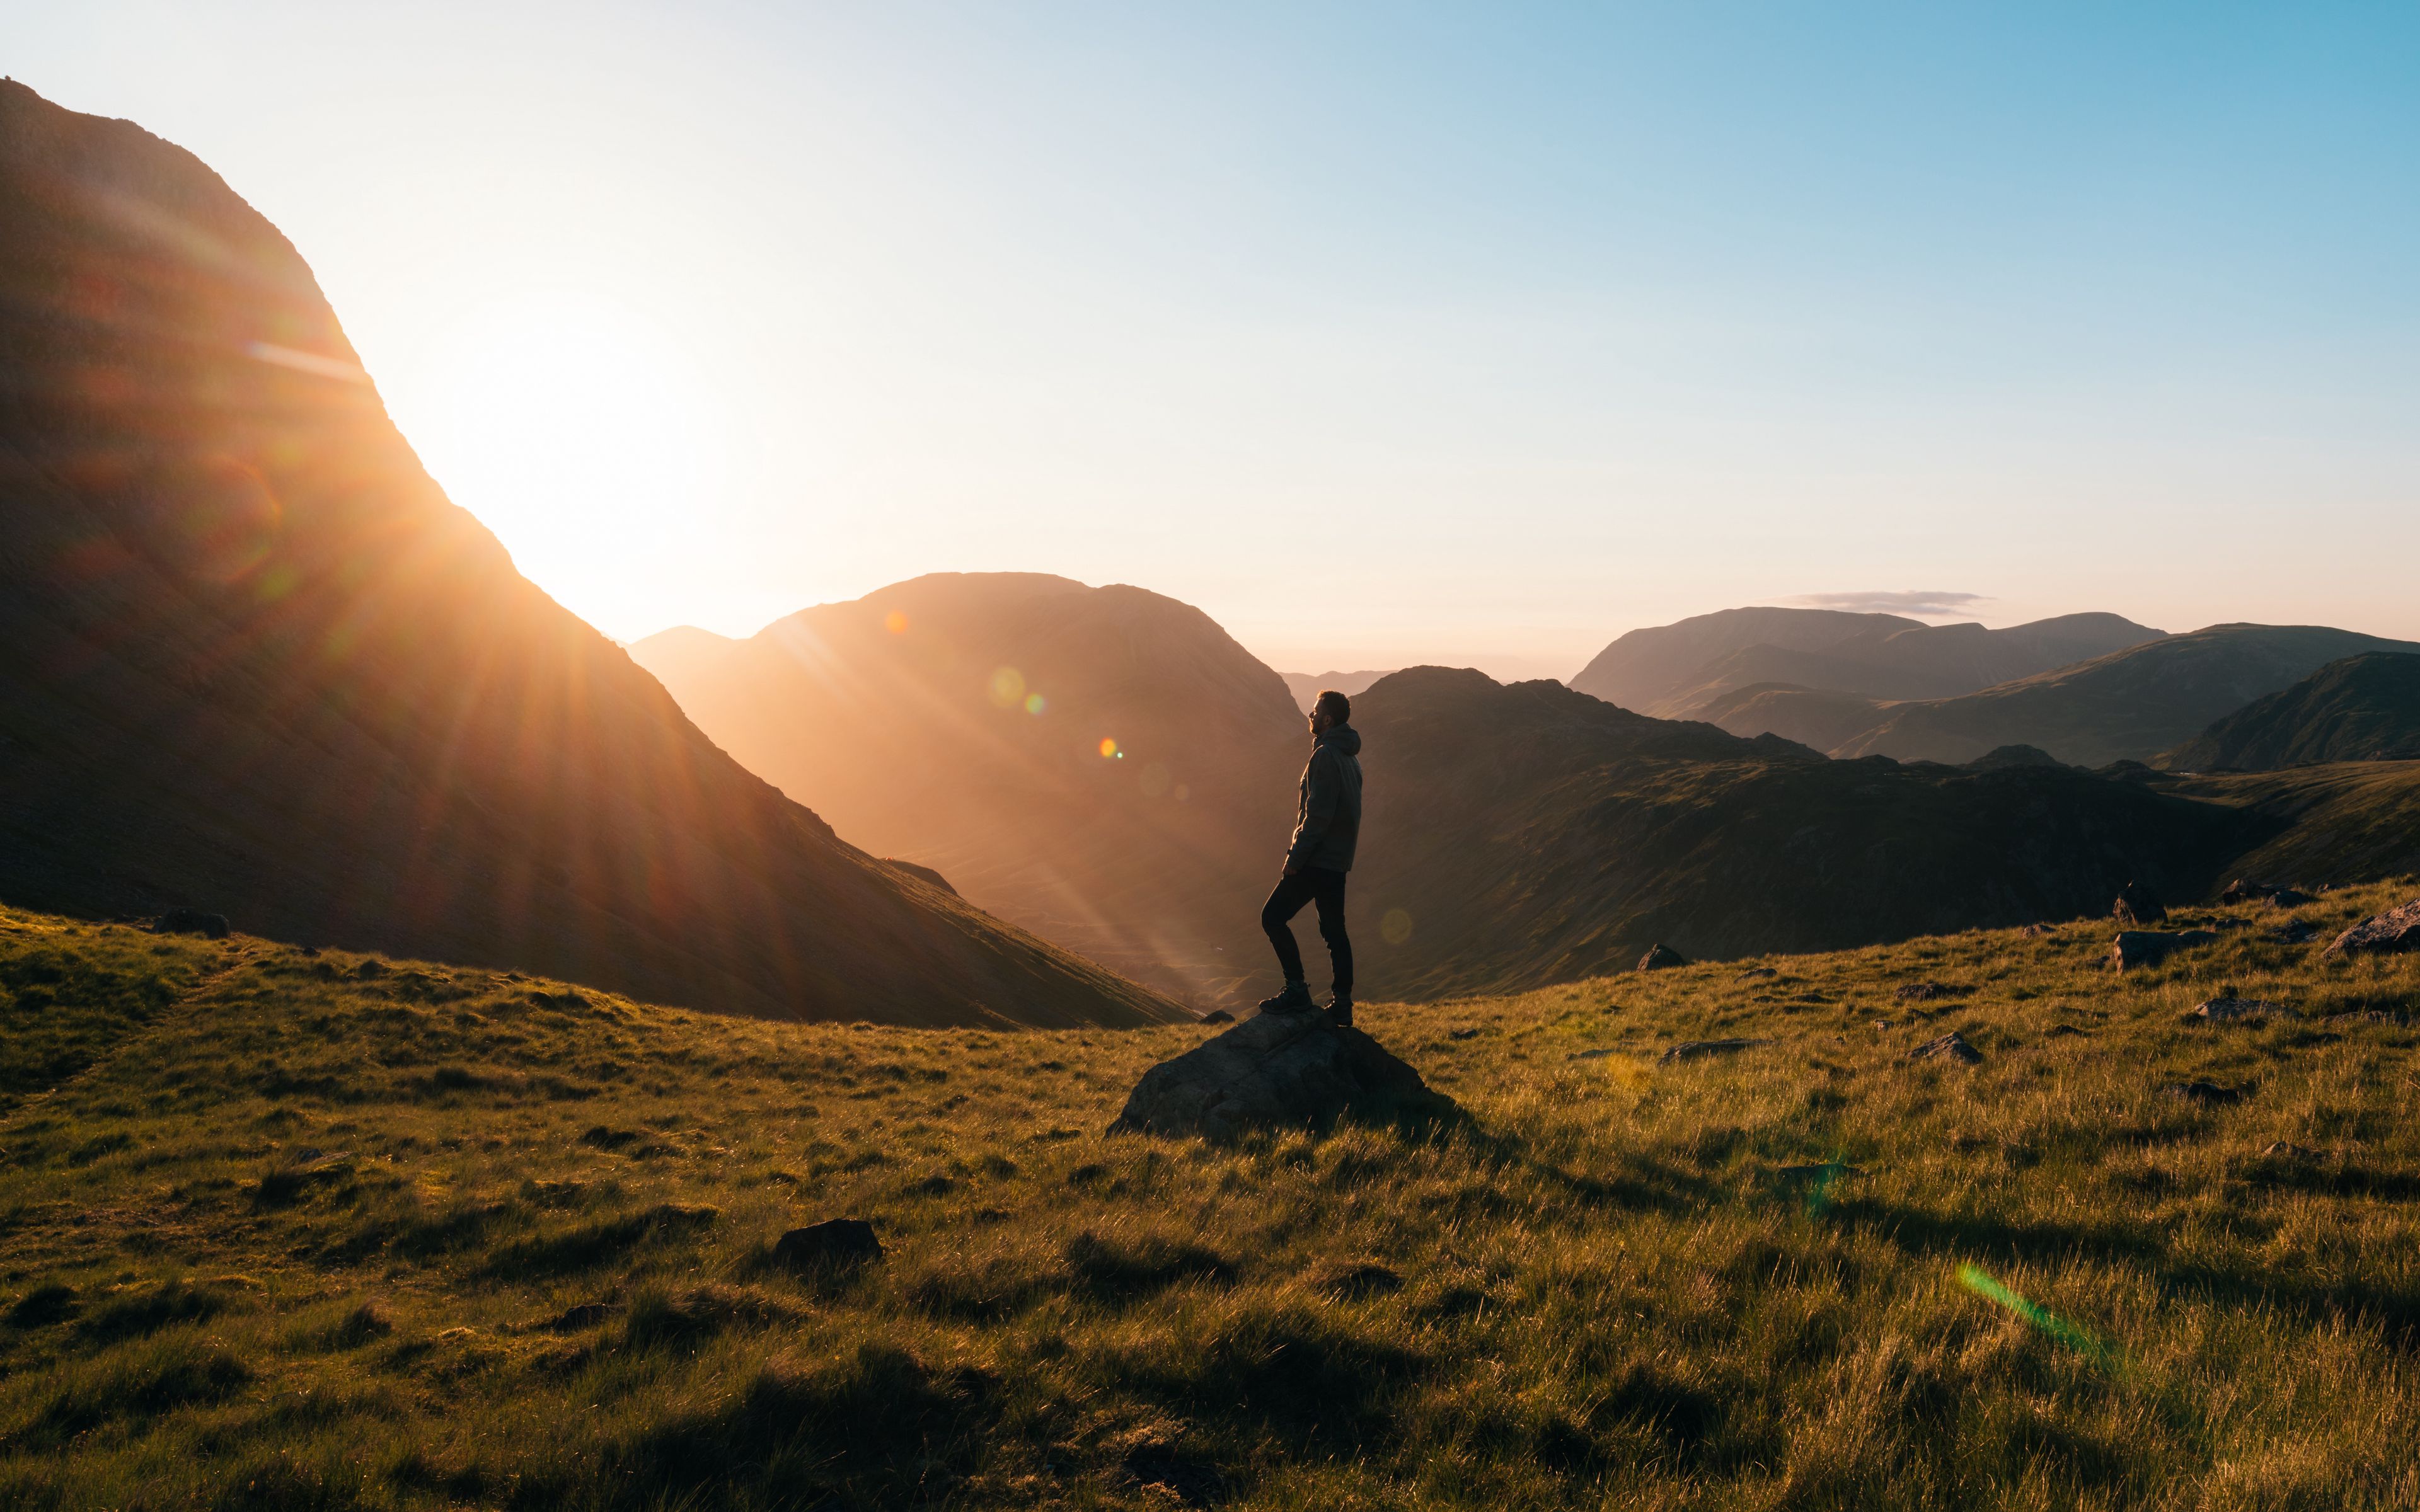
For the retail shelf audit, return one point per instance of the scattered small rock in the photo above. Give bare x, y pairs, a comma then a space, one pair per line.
2035, 932
1461, 1034
2295, 1154
2144, 948
2060, 1031
2389, 933
1217, 1015
2289, 898
1661, 957
1698, 1049
835, 1243
1952, 1046
191, 921
2236, 1009
2136, 904
1881, 1024
1920, 992
2210, 1094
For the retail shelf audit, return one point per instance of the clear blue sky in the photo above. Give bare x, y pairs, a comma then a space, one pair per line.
1384, 334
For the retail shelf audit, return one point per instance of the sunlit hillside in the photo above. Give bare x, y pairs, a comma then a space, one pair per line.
286, 1229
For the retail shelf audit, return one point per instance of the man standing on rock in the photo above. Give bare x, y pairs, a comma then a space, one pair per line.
1328, 820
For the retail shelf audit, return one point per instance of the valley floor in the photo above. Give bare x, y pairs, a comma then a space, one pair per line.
282, 1229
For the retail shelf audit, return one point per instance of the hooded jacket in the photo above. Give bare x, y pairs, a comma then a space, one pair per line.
1328, 813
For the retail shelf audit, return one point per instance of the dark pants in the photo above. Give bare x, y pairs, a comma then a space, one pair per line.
1312, 884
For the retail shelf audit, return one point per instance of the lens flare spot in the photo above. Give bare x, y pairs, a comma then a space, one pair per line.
1156, 780
1008, 687
1036, 703
1395, 926
895, 622
1108, 747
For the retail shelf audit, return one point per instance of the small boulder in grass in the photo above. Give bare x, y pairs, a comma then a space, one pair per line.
1952, 1046
1921, 991
2393, 932
1216, 1016
1661, 957
2136, 904
2148, 947
191, 921
2236, 1010
836, 1244
1701, 1049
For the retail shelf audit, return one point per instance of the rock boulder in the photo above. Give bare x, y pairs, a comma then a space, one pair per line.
2147, 947
1660, 957
1275, 1071
2389, 933
2137, 906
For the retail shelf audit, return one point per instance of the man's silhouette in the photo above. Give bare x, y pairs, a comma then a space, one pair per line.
1328, 820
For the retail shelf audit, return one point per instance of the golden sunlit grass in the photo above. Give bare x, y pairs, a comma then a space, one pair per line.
289, 1235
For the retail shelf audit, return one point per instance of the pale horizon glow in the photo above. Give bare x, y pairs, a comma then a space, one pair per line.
1382, 335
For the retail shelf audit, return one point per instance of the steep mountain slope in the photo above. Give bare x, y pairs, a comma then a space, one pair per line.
1680, 671
257, 662
2130, 705
1530, 834
2351, 823
2361, 709
1306, 686
958, 720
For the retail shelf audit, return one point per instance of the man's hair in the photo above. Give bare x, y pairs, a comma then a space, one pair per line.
1336, 703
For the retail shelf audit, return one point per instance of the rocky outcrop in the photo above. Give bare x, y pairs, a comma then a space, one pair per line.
1661, 957
1276, 1071
2389, 933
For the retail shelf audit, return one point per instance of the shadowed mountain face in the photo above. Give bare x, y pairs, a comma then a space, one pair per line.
957, 722
1529, 833
257, 662
2361, 709
1681, 670
2130, 705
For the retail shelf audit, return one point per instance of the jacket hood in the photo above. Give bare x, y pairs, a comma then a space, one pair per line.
1346, 739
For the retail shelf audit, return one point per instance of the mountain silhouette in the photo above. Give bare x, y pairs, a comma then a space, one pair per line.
1306, 686
2363, 708
958, 721
256, 663
1681, 670
2129, 705
1522, 835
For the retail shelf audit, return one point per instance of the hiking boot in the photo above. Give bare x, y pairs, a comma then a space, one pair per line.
1340, 1011
1296, 999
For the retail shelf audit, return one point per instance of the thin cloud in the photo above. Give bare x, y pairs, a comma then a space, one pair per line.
1922, 604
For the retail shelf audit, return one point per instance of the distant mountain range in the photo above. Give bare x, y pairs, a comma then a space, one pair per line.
1105, 766
1681, 670
2363, 708
1306, 686
255, 663
2128, 705
1529, 833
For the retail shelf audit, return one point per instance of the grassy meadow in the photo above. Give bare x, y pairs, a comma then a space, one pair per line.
282, 1229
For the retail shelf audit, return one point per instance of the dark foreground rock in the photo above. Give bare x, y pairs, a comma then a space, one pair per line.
191, 921
1699, 1049
833, 1243
2136, 905
2146, 947
2389, 933
1276, 1071
1660, 958
1948, 1047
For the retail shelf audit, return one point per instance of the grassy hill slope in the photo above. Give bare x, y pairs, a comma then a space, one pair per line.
253, 660
282, 1234
2361, 709
1527, 834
